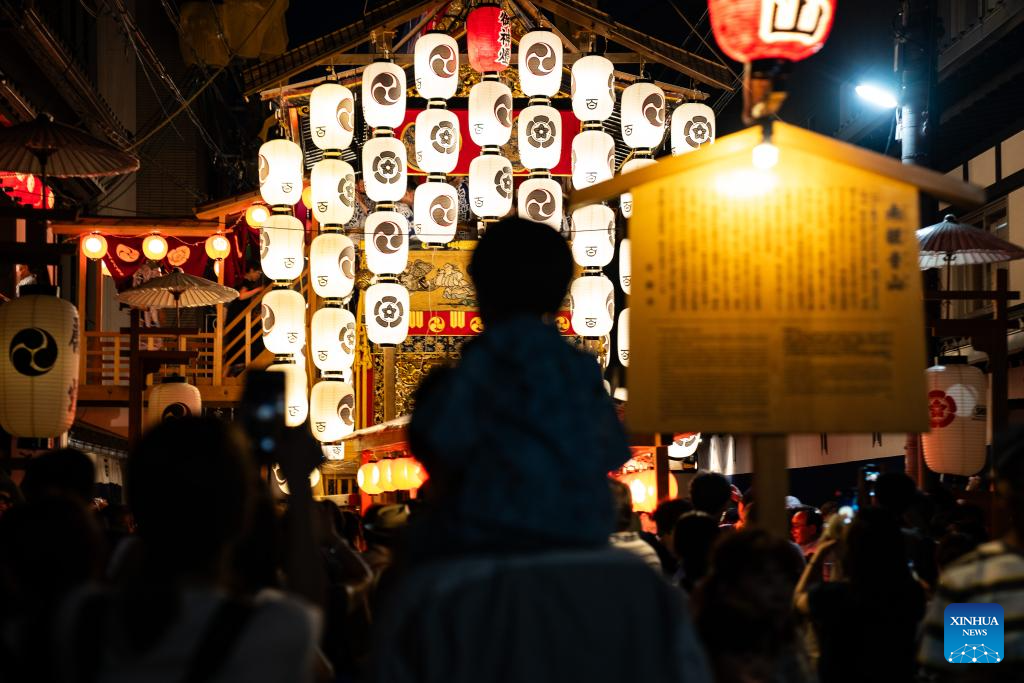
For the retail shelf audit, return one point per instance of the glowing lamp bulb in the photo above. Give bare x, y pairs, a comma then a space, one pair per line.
154, 247
880, 97
307, 197
217, 246
765, 156
94, 246
256, 215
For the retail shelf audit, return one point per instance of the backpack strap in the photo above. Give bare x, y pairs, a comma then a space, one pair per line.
217, 642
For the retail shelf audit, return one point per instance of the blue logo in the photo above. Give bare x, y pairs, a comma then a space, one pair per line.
973, 633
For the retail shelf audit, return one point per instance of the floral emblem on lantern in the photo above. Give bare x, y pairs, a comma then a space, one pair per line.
346, 406
540, 205
264, 169
540, 59
503, 110
941, 409
697, 131
388, 237
344, 114
347, 262
503, 182
267, 318
654, 109
347, 337
347, 189
442, 210
385, 89
33, 352
442, 61
540, 132
442, 137
388, 312
387, 168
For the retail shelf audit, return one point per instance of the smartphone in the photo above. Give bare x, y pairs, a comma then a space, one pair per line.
866, 485
262, 411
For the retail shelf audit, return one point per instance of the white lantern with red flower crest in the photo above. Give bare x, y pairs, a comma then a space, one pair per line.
957, 405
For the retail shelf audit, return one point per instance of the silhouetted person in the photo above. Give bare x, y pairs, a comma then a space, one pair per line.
990, 573
877, 601
744, 609
191, 485
519, 438
665, 517
710, 492
805, 527
65, 473
694, 536
626, 536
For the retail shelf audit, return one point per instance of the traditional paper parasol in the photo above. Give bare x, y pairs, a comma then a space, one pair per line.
47, 148
176, 290
950, 243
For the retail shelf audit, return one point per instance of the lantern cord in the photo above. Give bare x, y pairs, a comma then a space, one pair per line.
695, 32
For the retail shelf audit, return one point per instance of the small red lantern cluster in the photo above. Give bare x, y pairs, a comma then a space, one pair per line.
749, 30
489, 39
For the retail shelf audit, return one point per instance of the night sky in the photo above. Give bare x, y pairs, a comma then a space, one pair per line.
860, 47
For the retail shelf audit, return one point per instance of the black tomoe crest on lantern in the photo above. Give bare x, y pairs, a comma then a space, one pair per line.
33, 352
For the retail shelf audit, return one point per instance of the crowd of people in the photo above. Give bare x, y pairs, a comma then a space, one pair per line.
519, 560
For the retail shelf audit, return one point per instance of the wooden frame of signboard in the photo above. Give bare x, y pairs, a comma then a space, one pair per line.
777, 301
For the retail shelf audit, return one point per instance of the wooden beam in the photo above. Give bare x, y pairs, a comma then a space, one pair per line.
541, 20
225, 207
427, 17
186, 226
406, 59
654, 50
278, 70
669, 88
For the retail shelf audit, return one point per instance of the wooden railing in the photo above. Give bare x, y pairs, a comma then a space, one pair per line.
247, 327
107, 360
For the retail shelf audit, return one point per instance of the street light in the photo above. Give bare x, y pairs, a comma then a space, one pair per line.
879, 97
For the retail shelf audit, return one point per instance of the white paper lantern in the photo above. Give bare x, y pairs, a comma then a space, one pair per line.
622, 338
333, 332
384, 169
957, 405
386, 235
490, 113
540, 137
593, 305
436, 66
540, 201
39, 339
332, 265
626, 199
593, 158
172, 399
331, 116
693, 126
490, 186
540, 63
280, 168
296, 400
333, 451
383, 95
332, 410
437, 141
387, 313
435, 212
625, 266
332, 186
281, 247
593, 88
284, 321
593, 235
643, 115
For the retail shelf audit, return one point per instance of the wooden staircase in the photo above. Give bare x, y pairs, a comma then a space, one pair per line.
105, 358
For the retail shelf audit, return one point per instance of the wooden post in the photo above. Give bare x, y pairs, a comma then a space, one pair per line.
771, 483
136, 382
661, 473
83, 269
218, 336
390, 397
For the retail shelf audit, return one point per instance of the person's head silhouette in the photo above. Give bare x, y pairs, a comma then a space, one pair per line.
520, 268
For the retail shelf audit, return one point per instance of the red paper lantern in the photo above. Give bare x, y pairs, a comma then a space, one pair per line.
749, 30
489, 39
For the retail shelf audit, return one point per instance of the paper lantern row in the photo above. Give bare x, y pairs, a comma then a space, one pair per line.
395, 474
94, 246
